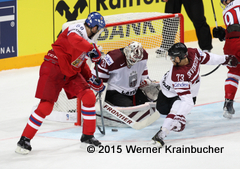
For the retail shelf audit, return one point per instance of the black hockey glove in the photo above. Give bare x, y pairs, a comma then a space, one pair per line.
231, 61
219, 32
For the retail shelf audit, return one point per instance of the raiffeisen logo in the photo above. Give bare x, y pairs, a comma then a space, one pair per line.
103, 4
63, 8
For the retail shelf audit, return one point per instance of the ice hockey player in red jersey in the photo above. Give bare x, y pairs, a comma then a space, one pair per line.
126, 73
65, 67
231, 18
180, 86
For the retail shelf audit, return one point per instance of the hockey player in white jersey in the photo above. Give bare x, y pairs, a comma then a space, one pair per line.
126, 73
180, 86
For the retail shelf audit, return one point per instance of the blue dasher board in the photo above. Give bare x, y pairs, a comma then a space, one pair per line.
8, 28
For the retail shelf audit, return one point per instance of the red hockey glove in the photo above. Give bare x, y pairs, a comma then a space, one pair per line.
231, 61
95, 54
96, 84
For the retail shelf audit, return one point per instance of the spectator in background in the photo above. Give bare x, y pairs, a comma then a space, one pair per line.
195, 11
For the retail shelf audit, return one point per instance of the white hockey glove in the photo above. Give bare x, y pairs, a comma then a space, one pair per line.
179, 123
150, 88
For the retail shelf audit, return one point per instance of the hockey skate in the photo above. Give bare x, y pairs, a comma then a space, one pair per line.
228, 109
23, 146
157, 140
89, 140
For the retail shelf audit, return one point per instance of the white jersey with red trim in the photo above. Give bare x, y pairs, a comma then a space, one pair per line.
113, 70
184, 81
231, 13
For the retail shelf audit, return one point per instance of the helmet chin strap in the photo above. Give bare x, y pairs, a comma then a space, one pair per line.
92, 33
178, 62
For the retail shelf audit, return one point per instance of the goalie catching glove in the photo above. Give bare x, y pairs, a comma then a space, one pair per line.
95, 54
231, 61
150, 89
96, 84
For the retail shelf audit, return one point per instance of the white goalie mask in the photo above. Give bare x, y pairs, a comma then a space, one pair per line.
133, 53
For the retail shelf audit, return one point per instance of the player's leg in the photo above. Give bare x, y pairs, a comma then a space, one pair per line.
34, 122
195, 11
231, 86
140, 97
48, 91
164, 106
83, 92
117, 99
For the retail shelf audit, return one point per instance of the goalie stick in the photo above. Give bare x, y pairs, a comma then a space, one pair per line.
129, 121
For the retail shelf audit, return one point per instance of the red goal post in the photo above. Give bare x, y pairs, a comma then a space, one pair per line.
151, 29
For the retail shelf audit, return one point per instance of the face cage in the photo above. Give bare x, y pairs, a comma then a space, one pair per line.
135, 56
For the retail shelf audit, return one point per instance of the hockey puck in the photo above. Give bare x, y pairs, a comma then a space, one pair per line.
114, 130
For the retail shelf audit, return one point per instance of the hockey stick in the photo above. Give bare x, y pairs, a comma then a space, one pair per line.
211, 71
129, 121
100, 102
165, 53
214, 14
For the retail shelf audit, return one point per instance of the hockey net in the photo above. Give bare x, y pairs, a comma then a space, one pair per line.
151, 29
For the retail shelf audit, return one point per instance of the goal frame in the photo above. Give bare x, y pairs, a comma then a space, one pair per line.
179, 15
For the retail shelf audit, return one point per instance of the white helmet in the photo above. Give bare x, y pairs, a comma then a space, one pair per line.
133, 53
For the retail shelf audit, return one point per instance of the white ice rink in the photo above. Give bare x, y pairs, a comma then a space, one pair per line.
57, 145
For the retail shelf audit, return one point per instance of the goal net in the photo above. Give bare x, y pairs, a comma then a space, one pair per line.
152, 29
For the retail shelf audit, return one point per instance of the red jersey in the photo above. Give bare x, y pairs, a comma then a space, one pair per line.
71, 48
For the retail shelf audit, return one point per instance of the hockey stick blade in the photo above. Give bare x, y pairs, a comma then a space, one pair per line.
129, 121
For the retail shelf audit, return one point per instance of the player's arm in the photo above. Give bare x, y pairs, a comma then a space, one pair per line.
82, 44
85, 71
104, 68
214, 59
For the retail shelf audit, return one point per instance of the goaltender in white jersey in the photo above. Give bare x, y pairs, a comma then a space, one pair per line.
125, 71
180, 86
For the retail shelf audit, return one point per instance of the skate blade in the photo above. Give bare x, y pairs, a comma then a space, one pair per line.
155, 144
21, 150
227, 115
